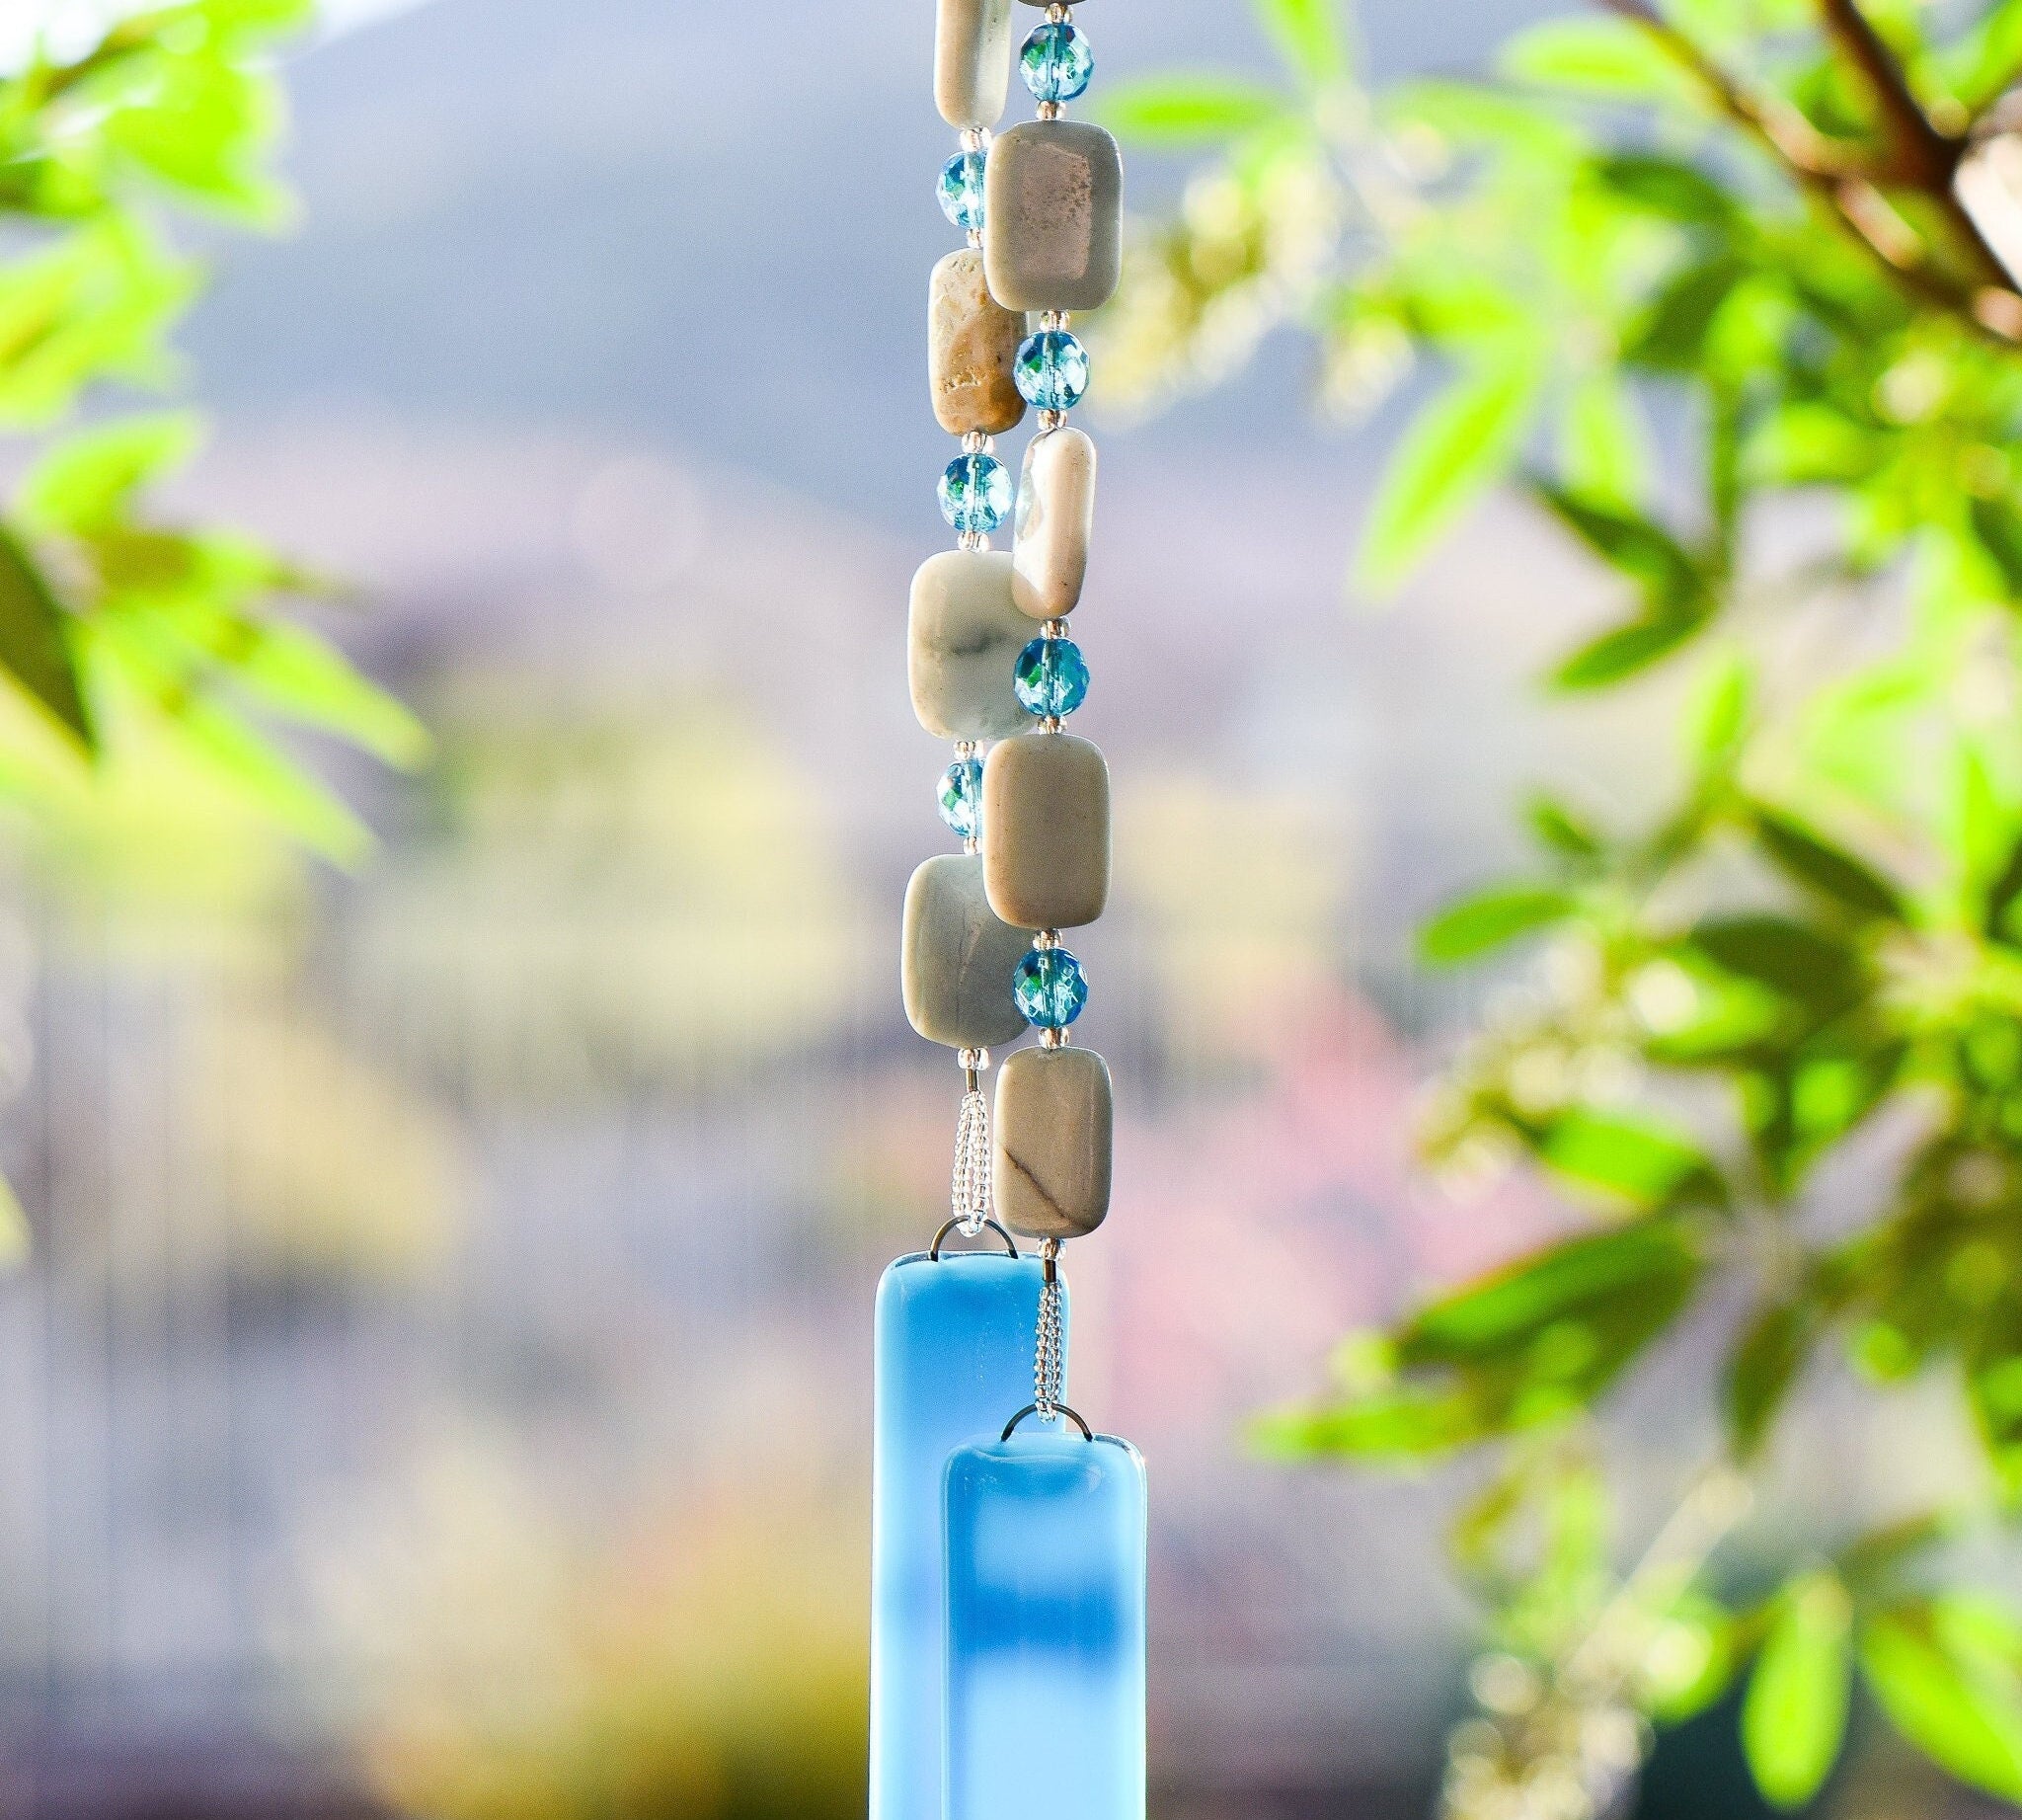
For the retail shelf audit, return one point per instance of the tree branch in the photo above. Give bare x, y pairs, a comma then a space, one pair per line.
1922, 155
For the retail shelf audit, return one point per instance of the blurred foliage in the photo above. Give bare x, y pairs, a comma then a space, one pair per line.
1697, 278
710, 1667
147, 664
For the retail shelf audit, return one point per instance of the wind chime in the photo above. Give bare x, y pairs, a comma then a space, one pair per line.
1007, 1643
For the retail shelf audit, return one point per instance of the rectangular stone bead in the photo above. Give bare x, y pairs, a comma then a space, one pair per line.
973, 61
1056, 516
1051, 1143
957, 958
962, 640
972, 342
1053, 216
1046, 831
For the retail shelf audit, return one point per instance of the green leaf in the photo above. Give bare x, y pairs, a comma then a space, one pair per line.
276, 785
1763, 1367
1673, 334
295, 670
1616, 655
1594, 56
1631, 1159
1790, 957
1565, 831
1718, 720
1601, 442
2000, 899
1668, 187
1518, 1301
1672, 581
1998, 528
34, 646
1965, 1719
1308, 33
1186, 109
1794, 1715
88, 480
1825, 869
1459, 446
1489, 920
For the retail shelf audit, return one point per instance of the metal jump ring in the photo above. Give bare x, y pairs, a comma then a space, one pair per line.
934, 1251
1087, 1433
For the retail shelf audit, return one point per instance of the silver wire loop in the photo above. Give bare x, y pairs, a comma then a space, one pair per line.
1087, 1433
951, 1226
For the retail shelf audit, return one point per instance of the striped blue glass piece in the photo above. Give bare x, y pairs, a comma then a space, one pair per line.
1046, 1627
953, 1363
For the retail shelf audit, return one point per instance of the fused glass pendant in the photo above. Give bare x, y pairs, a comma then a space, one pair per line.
1046, 1627
954, 1360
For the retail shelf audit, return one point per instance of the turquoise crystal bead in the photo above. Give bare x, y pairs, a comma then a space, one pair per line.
975, 494
962, 796
1050, 987
961, 190
1052, 370
1055, 63
1052, 677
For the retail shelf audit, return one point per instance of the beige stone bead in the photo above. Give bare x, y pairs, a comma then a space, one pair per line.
957, 958
973, 61
1052, 1135
962, 640
972, 342
1055, 514
1053, 216
1046, 831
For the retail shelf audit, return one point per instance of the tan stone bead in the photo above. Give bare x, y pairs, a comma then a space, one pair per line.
957, 958
972, 342
1053, 216
1056, 516
1051, 1142
973, 61
1046, 831
962, 640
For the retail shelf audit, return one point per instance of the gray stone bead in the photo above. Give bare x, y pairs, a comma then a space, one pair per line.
973, 61
962, 640
957, 958
1052, 1135
1046, 831
971, 344
1053, 216
1055, 514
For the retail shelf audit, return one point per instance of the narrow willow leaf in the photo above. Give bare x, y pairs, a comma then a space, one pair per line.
293, 670
1673, 581
1594, 56
1601, 442
33, 648
1790, 957
1631, 1159
1763, 1367
1831, 871
1565, 831
1489, 920
1177, 111
1461, 445
1629, 650
1965, 1724
1309, 34
1668, 187
1718, 720
1794, 1714
88, 480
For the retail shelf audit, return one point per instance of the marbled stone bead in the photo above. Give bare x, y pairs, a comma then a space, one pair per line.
973, 61
1053, 1137
1046, 831
962, 640
973, 343
1052, 216
1055, 514
956, 958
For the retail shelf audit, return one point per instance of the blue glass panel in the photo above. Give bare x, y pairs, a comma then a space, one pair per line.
954, 1343
1046, 1628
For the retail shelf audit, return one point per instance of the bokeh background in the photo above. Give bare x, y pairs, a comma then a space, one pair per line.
441, 1382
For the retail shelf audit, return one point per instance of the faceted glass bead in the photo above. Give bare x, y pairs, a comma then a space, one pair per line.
961, 190
1050, 987
1052, 370
1052, 677
976, 493
962, 796
1055, 63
